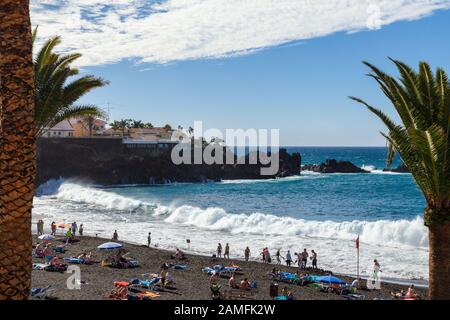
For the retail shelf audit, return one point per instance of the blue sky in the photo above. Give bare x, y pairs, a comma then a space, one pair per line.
300, 87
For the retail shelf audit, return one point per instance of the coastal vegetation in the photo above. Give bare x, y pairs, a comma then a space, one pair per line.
56, 93
422, 101
17, 149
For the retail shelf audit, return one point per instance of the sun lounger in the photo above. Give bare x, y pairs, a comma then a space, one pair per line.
39, 266
43, 293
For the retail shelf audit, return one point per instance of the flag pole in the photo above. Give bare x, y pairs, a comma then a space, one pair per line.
357, 259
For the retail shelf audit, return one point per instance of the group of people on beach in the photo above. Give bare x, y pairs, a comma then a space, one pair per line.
73, 228
226, 254
302, 257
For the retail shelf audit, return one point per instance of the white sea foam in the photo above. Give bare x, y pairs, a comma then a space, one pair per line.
66, 190
386, 232
372, 169
400, 244
394, 233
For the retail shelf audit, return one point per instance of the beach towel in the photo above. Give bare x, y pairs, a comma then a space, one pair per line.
283, 298
119, 284
145, 283
78, 261
179, 267
59, 249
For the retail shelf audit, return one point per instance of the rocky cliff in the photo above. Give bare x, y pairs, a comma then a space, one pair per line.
109, 162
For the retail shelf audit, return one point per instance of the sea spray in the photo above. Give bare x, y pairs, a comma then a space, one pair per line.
385, 232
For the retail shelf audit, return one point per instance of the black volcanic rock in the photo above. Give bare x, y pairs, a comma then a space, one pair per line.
334, 166
400, 169
109, 162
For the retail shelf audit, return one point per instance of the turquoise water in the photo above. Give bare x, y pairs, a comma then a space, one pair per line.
325, 212
336, 197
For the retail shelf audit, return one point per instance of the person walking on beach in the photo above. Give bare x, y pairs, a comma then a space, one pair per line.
226, 254
115, 235
278, 255
53, 227
80, 231
288, 258
219, 250
149, 239
266, 254
314, 259
247, 254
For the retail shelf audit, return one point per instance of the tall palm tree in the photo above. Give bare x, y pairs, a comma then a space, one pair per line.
422, 101
17, 149
56, 95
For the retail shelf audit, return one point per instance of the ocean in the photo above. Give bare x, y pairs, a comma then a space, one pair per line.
324, 212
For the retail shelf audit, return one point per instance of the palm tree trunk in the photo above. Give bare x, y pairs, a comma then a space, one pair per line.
439, 261
17, 149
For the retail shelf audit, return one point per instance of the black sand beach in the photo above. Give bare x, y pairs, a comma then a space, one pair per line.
189, 284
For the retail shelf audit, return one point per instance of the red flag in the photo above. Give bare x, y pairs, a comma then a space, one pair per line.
357, 242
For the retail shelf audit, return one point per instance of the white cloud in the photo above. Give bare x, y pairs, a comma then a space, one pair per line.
107, 31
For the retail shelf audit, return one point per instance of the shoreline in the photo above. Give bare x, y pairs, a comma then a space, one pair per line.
190, 284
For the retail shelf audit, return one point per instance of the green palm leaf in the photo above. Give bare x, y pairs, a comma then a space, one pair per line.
56, 92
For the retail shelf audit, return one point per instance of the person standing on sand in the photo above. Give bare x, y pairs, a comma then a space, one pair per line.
115, 235
304, 256
219, 250
53, 227
69, 235
38, 226
80, 231
314, 259
288, 258
74, 228
226, 255
247, 254
149, 239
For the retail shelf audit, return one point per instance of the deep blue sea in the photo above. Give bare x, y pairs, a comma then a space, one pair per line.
313, 211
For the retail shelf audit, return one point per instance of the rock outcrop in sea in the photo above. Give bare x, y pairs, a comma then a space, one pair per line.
334, 166
400, 169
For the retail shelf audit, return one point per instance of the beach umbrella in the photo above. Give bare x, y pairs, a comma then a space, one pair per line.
330, 279
46, 237
109, 246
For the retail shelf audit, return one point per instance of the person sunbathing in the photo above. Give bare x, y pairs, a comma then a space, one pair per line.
285, 292
85, 257
399, 295
232, 282
245, 285
48, 253
163, 277
411, 293
55, 261
214, 279
119, 294
39, 251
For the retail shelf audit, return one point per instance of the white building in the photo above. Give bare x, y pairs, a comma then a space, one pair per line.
63, 129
